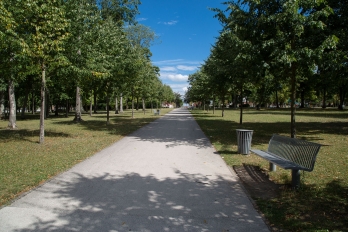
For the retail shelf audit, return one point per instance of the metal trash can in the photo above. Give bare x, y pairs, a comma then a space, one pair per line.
244, 140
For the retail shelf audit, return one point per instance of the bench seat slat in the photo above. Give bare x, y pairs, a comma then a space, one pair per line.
286, 164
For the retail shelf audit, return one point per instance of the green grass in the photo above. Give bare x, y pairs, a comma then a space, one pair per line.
24, 163
321, 204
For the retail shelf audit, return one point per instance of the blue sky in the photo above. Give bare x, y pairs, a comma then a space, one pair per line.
187, 29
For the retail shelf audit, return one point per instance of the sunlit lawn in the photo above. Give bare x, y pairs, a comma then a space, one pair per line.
24, 163
322, 202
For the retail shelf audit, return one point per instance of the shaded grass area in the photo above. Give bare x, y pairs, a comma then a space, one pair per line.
322, 202
24, 163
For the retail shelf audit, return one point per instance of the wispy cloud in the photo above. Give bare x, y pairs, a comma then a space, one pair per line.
142, 19
168, 68
175, 73
186, 68
177, 62
173, 76
170, 23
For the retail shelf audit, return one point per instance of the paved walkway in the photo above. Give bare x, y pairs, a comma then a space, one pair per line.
164, 177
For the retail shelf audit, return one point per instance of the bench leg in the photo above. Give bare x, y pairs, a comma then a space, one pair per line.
295, 175
272, 167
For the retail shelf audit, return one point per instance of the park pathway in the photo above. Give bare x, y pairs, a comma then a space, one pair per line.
164, 177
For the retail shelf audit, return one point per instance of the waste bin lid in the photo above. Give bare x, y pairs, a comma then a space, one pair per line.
243, 130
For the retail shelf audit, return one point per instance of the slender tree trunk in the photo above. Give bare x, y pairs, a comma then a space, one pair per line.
47, 109
25, 103
67, 108
33, 102
56, 110
324, 98
2, 104
95, 101
107, 110
132, 105
293, 99
78, 106
42, 111
235, 100
277, 100
342, 97
213, 104
144, 106
12, 103
137, 103
91, 106
241, 107
302, 99
121, 103
116, 105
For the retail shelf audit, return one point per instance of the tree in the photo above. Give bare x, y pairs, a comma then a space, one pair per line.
44, 30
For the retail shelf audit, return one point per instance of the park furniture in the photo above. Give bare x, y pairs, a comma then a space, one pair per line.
290, 153
156, 112
244, 138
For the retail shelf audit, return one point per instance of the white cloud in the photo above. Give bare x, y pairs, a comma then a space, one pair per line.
168, 68
179, 88
177, 62
173, 76
170, 23
142, 19
186, 68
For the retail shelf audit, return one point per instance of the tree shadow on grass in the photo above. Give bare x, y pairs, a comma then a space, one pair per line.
316, 113
224, 132
7, 135
131, 202
310, 208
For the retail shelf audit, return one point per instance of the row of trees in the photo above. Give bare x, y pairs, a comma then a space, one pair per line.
277, 47
56, 51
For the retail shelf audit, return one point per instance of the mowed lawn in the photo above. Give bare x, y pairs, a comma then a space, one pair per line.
321, 204
24, 163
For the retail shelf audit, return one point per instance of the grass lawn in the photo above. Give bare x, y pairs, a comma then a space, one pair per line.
321, 204
24, 163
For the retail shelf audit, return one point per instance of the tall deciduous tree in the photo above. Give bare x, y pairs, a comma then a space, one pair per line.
44, 29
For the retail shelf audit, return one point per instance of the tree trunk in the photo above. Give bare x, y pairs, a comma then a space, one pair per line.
302, 99
95, 101
33, 102
137, 103
47, 109
144, 105
213, 105
56, 110
12, 103
277, 100
25, 103
78, 106
42, 110
91, 106
342, 97
324, 98
2, 104
121, 103
107, 110
293, 100
67, 108
116, 105
132, 105
241, 107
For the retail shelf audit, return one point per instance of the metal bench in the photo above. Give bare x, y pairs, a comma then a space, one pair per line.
290, 153
156, 112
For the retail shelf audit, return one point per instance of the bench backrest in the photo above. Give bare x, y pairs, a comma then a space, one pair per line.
298, 151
